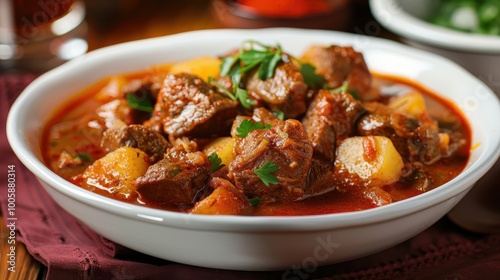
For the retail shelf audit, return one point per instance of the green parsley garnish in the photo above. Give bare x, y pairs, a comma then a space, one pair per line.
236, 67
354, 93
246, 126
264, 173
343, 88
240, 95
312, 79
83, 156
255, 201
279, 114
174, 171
141, 104
215, 162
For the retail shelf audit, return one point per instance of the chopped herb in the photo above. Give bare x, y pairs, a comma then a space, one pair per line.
174, 171
227, 64
279, 114
242, 97
246, 126
215, 162
354, 93
236, 67
255, 201
264, 173
141, 104
268, 65
312, 79
343, 88
83, 156
222, 88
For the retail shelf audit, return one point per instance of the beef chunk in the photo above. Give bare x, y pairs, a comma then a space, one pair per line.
175, 179
284, 144
146, 88
331, 118
319, 179
263, 115
285, 91
187, 106
414, 139
342, 64
114, 112
137, 136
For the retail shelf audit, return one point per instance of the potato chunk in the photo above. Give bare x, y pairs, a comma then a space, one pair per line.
112, 90
115, 174
223, 147
226, 199
204, 67
373, 158
411, 104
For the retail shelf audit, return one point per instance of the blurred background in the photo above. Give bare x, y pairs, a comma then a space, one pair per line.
30, 43
37, 35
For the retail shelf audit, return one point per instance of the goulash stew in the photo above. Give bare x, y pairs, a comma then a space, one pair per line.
259, 132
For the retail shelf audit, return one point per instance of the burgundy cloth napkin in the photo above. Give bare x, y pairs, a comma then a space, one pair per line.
70, 250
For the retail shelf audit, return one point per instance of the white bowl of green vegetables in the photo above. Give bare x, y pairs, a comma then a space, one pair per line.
466, 31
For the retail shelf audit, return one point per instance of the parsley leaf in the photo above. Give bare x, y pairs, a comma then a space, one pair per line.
343, 88
242, 96
279, 114
83, 156
227, 64
250, 58
215, 162
264, 173
222, 88
139, 103
312, 79
354, 93
238, 66
255, 201
246, 126
268, 65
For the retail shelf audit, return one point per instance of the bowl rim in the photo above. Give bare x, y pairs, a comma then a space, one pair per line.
390, 14
394, 210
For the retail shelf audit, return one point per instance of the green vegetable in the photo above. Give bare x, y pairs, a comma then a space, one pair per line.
480, 16
241, 95
264, 173
141, 104
236, 67
246, 126
83, 156
255, 201
343, 88
215, 162
312, 79
279, 114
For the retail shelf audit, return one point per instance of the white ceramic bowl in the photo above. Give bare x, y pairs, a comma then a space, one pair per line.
255, 243
480, 54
